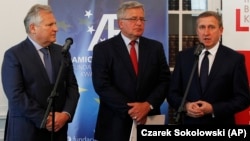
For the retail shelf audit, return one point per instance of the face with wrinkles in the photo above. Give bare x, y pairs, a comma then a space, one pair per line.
44, 33
208, 30
132, 24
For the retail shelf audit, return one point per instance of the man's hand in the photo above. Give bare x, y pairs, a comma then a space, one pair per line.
198, 108
61, 119
139, 111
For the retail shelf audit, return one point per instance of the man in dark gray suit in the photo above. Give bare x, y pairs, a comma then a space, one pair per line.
125, 94
226, 91
28, 86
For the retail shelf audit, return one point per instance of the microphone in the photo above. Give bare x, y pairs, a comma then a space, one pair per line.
199, 49
66, 46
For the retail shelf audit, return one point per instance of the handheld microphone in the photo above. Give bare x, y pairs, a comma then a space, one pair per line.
199, 49
66, 46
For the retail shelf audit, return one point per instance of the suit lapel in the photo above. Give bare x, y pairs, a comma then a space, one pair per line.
121, 50
36, 61
217, 64
144, 54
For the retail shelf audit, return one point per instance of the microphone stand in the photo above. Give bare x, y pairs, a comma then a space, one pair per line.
51, 99
197, 52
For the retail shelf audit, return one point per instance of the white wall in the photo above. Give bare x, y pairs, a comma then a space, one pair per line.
12, 31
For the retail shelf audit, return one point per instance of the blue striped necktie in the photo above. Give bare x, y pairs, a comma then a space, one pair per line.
47, 63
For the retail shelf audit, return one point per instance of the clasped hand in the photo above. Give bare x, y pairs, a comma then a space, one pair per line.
198, 108
60, 120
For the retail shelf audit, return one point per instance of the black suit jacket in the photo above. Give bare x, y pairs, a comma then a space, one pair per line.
27, 87
227, 87
116, 84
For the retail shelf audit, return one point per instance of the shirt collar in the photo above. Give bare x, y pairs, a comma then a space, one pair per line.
127, 40
37, 46
213, 50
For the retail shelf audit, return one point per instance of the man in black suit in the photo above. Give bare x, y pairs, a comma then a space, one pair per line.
28, 86
226, 91
125, 94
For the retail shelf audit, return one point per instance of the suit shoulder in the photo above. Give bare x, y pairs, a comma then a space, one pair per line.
19, 47
109, 42
230, 51
56, 46
188, 51
145, 39
104, 43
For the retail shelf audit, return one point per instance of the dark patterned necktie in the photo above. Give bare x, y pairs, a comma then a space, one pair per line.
204, 71
47, 63
133, 56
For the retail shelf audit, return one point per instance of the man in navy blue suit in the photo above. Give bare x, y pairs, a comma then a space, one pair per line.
125, 94
27, 85
226, 91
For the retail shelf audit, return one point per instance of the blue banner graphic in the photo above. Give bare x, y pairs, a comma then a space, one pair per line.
88, 22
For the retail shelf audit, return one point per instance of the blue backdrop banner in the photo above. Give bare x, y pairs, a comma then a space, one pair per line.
88, 22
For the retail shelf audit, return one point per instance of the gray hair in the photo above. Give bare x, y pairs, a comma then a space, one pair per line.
128, 5
33, 16
214, 14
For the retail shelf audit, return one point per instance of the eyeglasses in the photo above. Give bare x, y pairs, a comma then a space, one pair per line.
134, 20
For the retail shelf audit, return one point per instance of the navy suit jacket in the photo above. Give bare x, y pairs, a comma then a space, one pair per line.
116, 84
227, 87
27, 87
